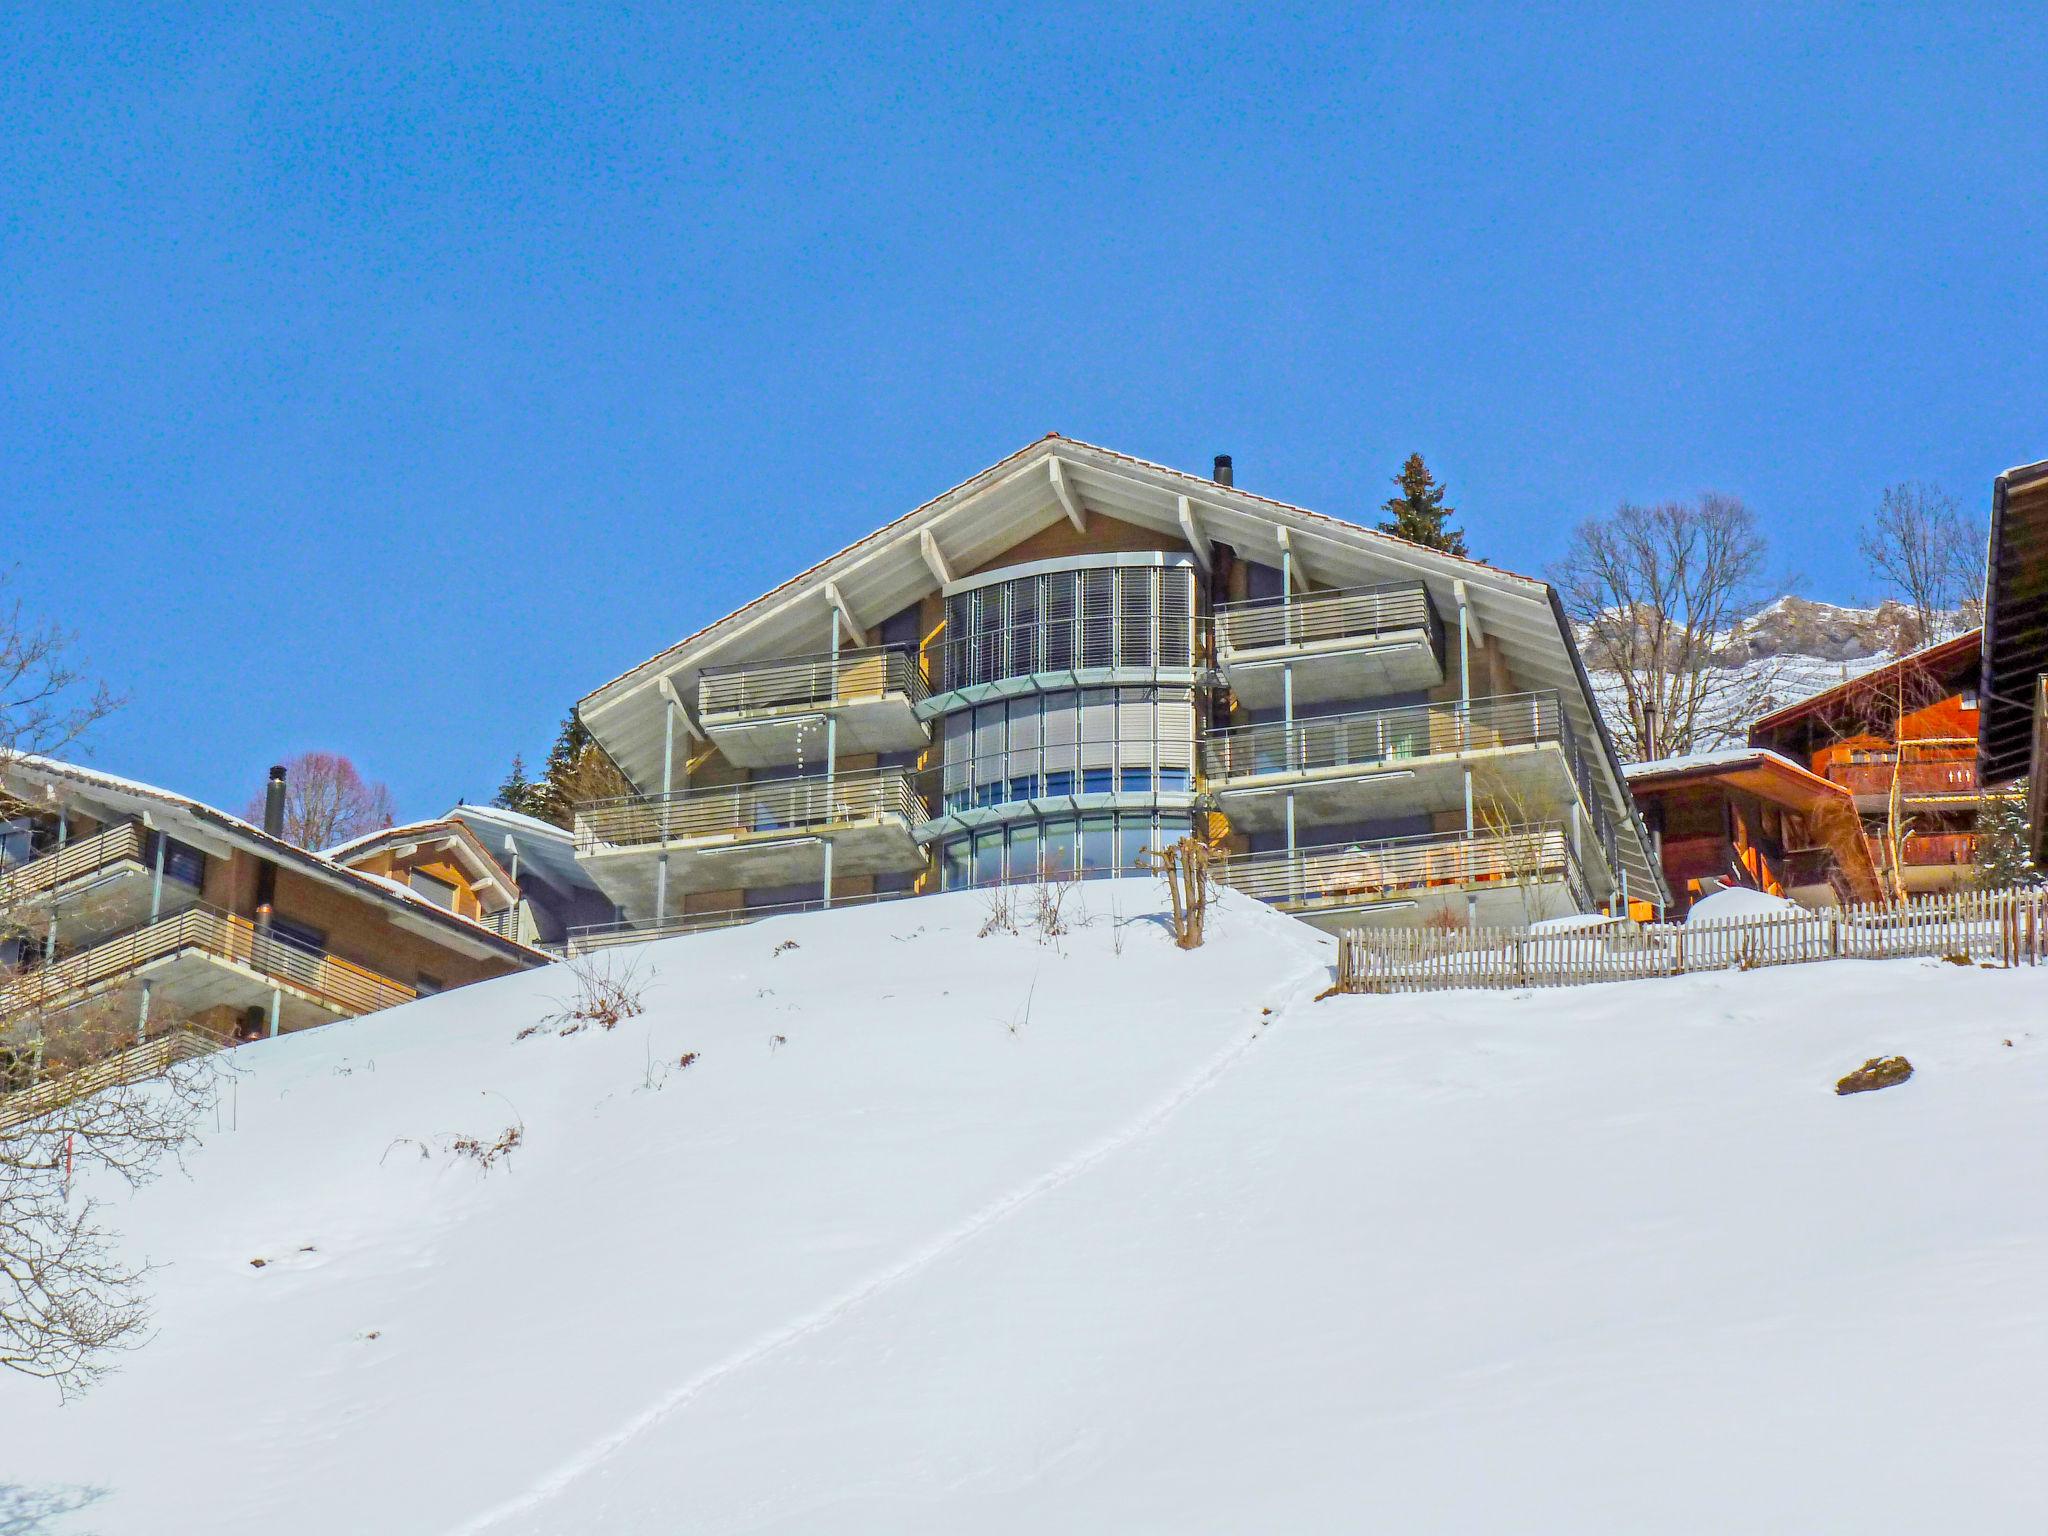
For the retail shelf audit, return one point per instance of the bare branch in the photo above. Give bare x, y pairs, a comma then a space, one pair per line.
1657, 593
1929, 555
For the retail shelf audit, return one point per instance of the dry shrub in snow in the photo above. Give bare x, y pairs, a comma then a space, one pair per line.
488, 1154
609, 989
485, 1154
1002, 913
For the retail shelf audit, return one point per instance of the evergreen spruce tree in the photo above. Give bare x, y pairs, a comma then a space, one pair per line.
2003, 859
518, 791
554, 797
1418, 514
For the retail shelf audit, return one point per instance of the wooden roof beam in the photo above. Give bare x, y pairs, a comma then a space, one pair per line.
1069, 503
1198, 541
1291, 558
842, 612
667, 689
934, 557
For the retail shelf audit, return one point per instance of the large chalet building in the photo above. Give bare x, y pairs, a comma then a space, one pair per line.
1077, 656
1902, 739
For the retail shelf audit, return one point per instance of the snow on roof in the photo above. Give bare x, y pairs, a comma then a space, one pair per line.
403, 829
305, 857
1701, 762
512, 821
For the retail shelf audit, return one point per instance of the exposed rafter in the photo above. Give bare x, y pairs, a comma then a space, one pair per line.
1198, 541
1471, 612
845, 614
934, 557
1069, 502
1291, 558
667, 690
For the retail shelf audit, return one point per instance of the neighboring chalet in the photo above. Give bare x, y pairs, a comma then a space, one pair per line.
445, 862
1748, 817
141, 911
1907, 729
555, 891
1077, 656
514, 874
2013, 668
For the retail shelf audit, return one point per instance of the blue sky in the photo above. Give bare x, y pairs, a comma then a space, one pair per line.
383, 382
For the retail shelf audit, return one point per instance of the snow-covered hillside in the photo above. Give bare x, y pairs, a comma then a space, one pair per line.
947, 1233
1788, 650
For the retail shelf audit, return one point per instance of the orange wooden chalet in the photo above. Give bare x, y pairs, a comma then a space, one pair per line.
1904, 736
1749, 817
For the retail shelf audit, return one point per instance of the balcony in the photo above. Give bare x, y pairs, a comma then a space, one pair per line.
1515, 877
1337, 645
1871, 783
744, 835
1374, 762
204, 958
640, 931
767, 714
98, 884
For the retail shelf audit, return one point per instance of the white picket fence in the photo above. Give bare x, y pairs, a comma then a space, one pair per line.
2003, 927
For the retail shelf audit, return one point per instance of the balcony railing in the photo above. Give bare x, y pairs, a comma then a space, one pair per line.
817, 682
338, 984
139, 1063
738, 810
1314, 618
73, 861
1371, 736
1065, 645
1924, 850
1363, 873
1914, 778
604, 935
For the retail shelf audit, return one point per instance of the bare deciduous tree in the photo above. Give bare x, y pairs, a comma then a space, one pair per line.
1922, 547
69, 1300
46, 703
68, 1111
1657, 593
327, 801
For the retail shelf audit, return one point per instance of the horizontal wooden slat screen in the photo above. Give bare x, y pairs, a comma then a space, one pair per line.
1999, 927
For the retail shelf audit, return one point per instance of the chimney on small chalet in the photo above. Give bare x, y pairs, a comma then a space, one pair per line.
1222, 475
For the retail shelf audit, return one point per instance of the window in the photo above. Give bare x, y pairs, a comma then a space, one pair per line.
1092, 848
1094, 741
1097, 843
299, 935
440, 892
184, 863
1097, 616
1968, 699
427, 985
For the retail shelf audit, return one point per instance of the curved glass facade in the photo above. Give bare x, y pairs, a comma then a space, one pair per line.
1136, 616
1056, 778
1069, 741
1057, 847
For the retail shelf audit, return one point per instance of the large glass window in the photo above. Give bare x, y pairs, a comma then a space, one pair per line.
1071, 741
1123, 616
1092, 847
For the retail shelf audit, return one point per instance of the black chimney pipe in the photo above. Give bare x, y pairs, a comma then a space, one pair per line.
273, 802
1222, 476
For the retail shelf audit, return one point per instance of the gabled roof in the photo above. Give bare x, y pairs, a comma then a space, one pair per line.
459, 840
1778, 781
131, 797
1949, 664
2015, 649
1769, 773
974, 523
